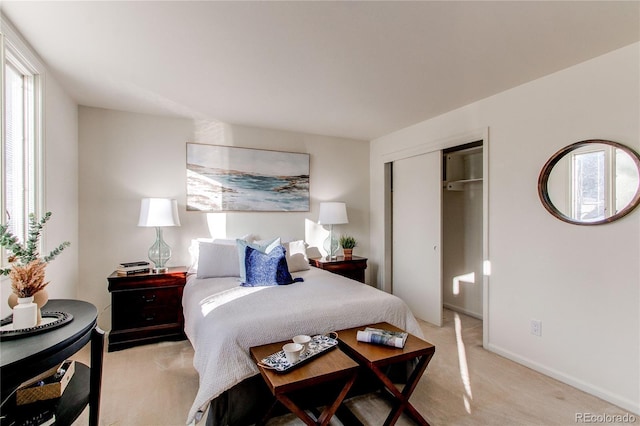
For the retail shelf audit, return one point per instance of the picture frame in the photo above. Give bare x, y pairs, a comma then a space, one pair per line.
225, 178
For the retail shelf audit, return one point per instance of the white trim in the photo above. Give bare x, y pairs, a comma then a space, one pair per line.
436, 145
439, 145
486, 256
23, 49
24, 53
13, 46
624, 403
461, 310
39, 150
3, 254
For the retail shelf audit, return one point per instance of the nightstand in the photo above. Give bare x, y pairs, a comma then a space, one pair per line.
351, 268
146, 308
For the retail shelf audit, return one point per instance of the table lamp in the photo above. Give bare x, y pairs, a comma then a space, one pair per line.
158, 213
332, 213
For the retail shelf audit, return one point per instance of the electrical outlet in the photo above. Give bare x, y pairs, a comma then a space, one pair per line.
536, 327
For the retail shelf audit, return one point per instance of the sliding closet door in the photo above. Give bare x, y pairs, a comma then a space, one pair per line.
417, 187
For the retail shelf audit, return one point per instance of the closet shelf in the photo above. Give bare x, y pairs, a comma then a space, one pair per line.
458, 185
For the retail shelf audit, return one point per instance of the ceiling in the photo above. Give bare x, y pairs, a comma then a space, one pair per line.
351, 69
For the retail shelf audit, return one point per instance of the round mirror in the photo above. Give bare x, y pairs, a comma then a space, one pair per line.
591, 182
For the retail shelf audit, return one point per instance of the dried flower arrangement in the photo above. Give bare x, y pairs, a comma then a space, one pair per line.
27, 269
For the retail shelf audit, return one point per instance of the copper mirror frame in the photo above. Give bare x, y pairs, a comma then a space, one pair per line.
543, 182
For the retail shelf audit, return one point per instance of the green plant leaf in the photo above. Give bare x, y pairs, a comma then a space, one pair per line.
22, 254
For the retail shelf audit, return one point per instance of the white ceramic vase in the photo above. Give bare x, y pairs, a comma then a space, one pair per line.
40, 298
25, 313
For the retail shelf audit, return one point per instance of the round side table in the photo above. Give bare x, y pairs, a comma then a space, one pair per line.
23, 358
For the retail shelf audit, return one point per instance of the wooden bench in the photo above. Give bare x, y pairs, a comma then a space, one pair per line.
375, 357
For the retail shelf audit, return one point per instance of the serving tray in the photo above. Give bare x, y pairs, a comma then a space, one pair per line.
50, 320
318, 345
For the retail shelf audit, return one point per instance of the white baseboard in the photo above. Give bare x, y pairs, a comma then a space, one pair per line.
462, 310
620, 401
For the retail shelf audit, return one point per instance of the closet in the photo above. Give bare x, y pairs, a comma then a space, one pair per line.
462, 206
437, 205
416, 229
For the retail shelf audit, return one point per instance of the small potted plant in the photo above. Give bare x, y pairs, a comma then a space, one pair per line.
27, 268
347, 243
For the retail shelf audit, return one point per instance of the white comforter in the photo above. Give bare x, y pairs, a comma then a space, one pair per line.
223, 320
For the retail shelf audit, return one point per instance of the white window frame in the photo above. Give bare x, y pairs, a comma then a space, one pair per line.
15, 50
609, 189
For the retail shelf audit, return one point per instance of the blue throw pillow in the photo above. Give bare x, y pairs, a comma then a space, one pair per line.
267, 269
263, 246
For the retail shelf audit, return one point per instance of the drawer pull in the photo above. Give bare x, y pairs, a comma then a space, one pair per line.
150, 299
150, 318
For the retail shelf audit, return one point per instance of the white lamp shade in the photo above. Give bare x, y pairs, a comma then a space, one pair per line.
159, 212
333, 213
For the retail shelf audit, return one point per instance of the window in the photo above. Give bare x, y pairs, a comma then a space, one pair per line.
590, 193
603, 181
20, 165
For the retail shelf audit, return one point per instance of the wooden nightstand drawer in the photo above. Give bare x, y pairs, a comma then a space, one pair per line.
141, 308
146, 308
154, 297
140, 281
145, 318
347, 267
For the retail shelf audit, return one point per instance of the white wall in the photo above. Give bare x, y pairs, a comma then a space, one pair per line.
582, 282
126, 156
60, 157
61, 190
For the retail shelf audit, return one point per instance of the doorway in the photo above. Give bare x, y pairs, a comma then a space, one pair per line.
462, 222
437, 229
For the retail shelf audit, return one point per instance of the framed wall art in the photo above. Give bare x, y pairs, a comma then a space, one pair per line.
225, 178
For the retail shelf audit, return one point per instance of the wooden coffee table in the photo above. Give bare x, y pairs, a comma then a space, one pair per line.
374, 357
334, 365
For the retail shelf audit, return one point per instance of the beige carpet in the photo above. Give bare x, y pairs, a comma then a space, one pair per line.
155, 385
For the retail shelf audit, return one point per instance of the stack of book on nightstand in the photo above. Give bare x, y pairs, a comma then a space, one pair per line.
129, 268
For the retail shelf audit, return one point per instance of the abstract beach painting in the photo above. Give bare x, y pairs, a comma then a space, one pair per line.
224, 178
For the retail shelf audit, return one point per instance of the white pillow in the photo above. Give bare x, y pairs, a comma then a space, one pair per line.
226, 241
194, 248
297, 259
194, 252
217, 260
265, 246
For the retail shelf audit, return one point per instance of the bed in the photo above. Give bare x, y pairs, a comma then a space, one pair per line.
224, 319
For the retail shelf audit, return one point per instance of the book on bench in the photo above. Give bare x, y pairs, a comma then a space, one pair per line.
377, 336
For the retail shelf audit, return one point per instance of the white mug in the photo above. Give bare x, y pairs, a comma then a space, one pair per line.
304, 340
292, 352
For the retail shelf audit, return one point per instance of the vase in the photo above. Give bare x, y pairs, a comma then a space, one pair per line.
40, 299
348, 253
25, 313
